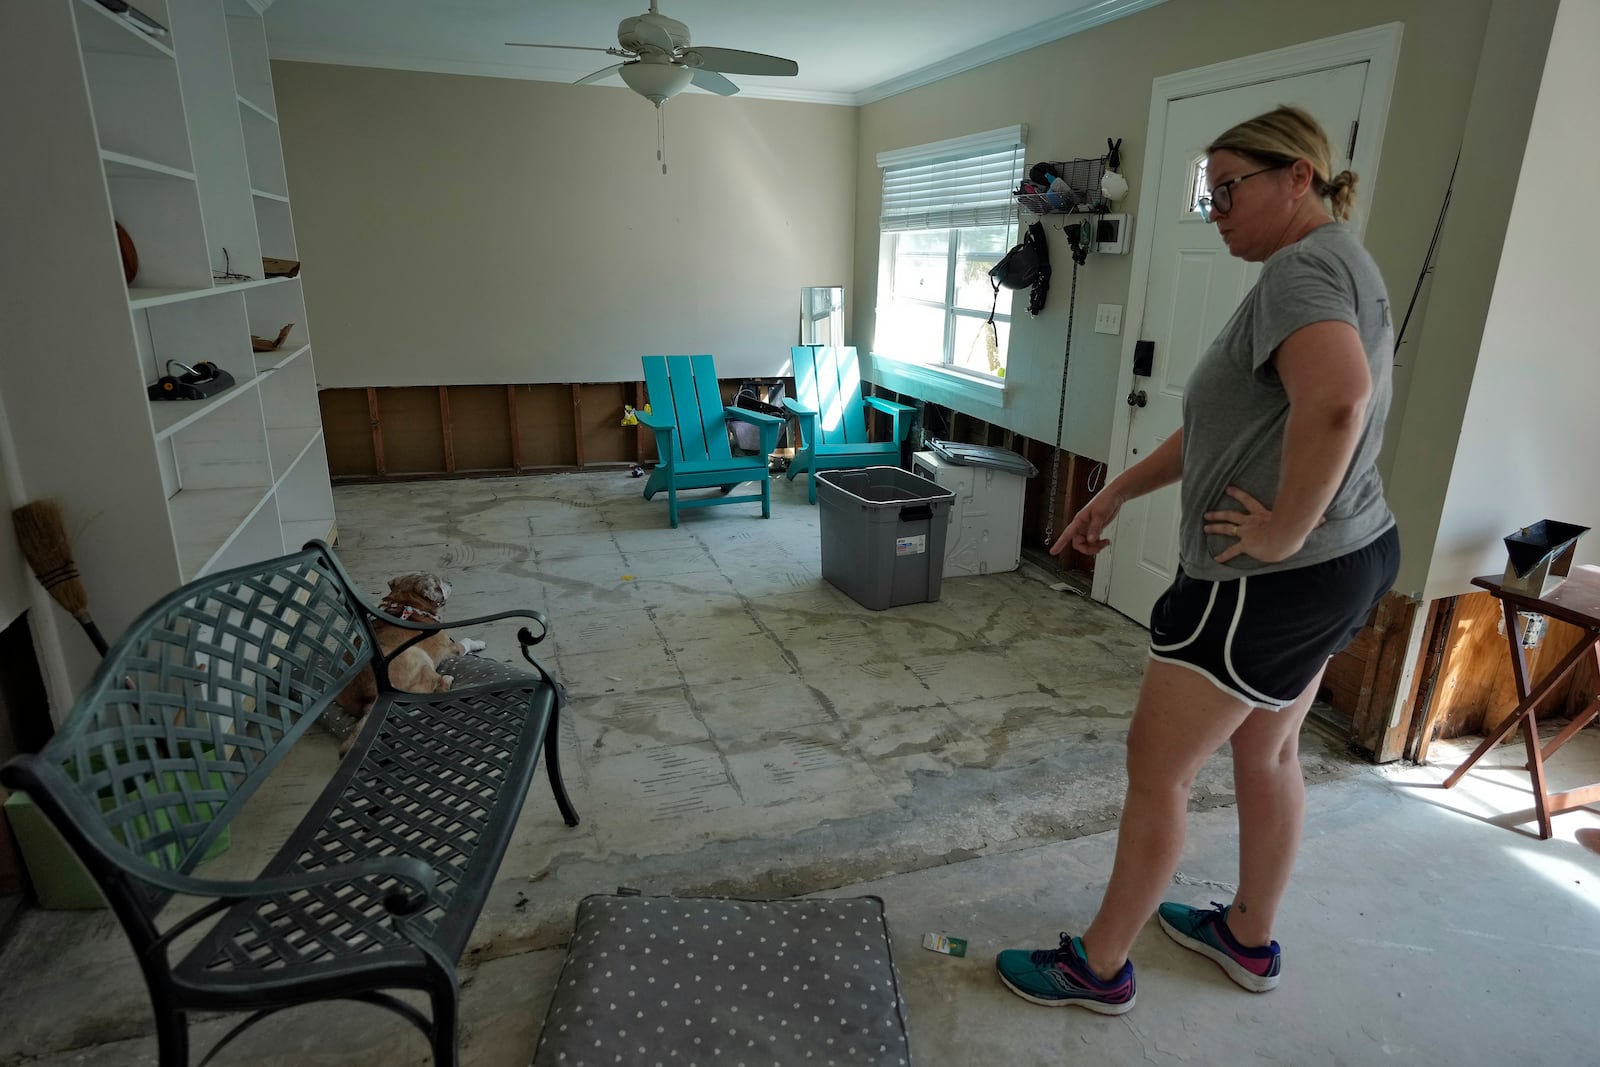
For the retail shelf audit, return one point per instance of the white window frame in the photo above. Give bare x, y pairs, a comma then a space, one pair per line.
962, 211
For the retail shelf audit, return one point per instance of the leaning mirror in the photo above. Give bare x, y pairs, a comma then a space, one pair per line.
822, 315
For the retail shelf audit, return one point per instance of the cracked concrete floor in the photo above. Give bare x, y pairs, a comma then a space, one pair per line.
737, 727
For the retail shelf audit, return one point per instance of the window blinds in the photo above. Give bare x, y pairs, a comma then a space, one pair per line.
965, 181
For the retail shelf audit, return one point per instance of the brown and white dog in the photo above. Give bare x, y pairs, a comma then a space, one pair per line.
416, 670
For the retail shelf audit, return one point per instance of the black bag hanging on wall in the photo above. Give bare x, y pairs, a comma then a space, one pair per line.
1027, 264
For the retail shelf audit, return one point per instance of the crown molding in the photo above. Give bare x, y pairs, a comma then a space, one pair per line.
1087, 17
1095, 13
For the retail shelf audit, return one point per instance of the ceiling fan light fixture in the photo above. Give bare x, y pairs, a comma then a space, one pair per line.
657, 82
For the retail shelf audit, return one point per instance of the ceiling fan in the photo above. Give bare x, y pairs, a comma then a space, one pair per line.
658, 61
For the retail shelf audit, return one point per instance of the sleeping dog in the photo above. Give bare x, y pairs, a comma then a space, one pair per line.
416, 670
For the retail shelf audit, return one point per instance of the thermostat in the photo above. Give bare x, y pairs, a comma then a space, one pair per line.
1113, 233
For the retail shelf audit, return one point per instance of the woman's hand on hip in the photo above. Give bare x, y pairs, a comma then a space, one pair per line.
1258, 535
1083, 533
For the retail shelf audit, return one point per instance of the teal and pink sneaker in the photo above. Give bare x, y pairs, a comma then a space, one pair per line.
1061, 976
1206, 932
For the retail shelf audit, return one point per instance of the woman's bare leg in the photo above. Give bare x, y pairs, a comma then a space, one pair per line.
1271, 796
1180, 720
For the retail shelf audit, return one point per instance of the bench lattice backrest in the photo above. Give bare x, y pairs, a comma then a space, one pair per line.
203, 696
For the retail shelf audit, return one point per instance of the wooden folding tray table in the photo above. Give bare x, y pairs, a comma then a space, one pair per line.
1575, 601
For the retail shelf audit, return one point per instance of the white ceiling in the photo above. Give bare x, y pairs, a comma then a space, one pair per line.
849, 51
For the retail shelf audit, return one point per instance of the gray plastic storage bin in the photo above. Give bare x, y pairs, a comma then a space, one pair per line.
883, 535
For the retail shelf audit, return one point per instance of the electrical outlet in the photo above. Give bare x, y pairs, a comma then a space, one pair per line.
1108, 318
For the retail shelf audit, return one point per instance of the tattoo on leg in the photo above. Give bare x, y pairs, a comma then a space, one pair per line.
1242, 908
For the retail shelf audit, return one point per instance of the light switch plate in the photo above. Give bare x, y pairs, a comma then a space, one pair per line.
1108, 318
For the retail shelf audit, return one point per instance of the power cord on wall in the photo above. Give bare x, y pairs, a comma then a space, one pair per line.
1427, 260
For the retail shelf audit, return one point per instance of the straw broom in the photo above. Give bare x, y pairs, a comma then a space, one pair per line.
43, 536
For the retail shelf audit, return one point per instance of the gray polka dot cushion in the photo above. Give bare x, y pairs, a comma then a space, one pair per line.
681, 981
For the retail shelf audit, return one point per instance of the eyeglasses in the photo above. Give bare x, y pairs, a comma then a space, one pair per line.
1221, 198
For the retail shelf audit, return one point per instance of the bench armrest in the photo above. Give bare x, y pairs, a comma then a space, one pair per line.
515, 613
401, 903
404, 902
658, 423
62, 801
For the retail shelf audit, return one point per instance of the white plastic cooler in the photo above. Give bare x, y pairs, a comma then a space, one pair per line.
985, 533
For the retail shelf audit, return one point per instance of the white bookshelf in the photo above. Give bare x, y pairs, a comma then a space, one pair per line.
293, 347
121, 165
102, 31
175, 138
209, 520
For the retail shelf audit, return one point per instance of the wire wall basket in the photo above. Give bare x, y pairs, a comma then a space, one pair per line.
1083, 195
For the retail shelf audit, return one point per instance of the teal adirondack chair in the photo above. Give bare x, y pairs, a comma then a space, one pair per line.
833, 422
690, 422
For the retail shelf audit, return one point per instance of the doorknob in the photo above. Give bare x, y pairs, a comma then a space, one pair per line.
1136, 399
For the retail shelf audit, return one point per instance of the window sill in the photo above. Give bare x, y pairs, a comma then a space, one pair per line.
938, 384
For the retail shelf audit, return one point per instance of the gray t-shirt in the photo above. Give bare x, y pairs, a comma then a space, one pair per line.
1235, 408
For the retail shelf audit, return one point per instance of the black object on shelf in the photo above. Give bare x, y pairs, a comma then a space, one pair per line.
196, 383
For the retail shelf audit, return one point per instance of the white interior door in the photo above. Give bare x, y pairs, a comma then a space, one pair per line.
1193, 287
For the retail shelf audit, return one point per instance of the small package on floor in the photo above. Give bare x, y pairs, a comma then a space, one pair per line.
944, 943
716, 981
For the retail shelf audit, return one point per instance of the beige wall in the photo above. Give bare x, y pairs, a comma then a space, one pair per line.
1074, 93
461, 230
1527, 441
1423, 433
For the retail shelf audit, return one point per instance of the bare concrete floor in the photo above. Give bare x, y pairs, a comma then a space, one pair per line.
739, 727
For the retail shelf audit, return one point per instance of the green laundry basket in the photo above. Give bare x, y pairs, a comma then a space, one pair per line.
59, 879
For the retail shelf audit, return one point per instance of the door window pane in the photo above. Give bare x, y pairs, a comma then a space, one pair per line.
1198, 185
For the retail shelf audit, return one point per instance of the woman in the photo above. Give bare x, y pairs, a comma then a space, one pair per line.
1285, 544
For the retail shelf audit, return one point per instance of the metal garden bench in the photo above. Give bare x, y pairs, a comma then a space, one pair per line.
378, 887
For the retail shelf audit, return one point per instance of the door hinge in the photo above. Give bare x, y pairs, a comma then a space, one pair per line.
1350, 153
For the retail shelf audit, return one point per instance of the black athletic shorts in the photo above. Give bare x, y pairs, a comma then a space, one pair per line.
1264, 637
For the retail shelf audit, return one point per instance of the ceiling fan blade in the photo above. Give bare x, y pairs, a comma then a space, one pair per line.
568, 47
733, 61
604, 72
713, 82
655, 36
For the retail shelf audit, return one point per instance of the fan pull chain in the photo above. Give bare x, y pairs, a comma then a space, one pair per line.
661, 137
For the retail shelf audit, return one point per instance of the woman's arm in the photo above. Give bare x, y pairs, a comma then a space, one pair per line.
1161, 467
1324, 371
